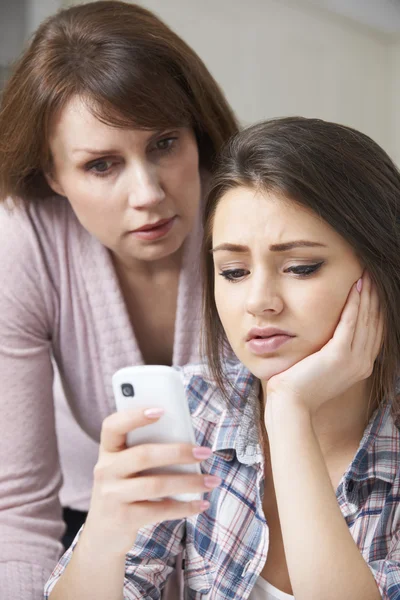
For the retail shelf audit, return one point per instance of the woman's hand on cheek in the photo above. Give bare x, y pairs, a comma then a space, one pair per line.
347, 358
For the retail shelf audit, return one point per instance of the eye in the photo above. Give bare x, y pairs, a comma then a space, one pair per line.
234, 274
165, 145
305, 270
101, 168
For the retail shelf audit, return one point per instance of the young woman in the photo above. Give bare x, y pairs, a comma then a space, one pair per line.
108, 130
300, 442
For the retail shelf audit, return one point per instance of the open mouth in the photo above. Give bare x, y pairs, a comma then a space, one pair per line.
268, 343
154, 231
153, 226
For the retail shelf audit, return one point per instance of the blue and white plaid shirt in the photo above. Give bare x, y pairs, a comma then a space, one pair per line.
225, 547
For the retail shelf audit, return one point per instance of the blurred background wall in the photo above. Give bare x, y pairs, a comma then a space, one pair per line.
334, 59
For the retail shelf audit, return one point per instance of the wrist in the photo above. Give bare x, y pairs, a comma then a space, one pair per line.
283, 411
96, 540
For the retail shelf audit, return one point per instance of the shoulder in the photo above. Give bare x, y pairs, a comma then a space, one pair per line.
29, 300
36, 239
40, 236
41, 221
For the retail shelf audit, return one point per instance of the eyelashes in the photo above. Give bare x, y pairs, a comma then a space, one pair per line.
92, 167
301, 271
166, 145
160, 148
233, 274
305, 270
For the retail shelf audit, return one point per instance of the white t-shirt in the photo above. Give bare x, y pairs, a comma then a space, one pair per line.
265, 591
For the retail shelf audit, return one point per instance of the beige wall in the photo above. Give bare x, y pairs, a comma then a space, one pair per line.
282, 57
395, 98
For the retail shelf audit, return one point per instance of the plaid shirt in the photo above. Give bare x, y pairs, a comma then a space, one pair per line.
226, 547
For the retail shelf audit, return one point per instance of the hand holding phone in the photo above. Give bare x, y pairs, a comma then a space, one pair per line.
153, 386
145, 456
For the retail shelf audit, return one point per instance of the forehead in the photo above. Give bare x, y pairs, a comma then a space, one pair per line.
246, 216
76, 126
75, 114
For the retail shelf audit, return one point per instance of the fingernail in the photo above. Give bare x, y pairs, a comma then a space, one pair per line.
201, 452
359, 284
204, 504
153, 413
211, 481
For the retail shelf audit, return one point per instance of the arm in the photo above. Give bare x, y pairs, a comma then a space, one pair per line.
30, 513
88, 570
323, 559
122, 505
331, 565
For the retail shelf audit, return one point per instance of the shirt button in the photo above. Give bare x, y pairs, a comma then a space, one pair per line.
246, 568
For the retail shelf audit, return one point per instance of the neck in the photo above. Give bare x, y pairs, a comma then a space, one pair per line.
134, 270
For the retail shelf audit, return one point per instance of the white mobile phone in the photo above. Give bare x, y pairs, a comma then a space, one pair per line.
153, 386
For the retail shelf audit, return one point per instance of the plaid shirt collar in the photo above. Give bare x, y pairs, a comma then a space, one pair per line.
378, 454
236, 418
237, 434
377, 458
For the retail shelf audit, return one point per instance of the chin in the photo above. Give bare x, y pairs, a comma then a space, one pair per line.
266, 368
158, 251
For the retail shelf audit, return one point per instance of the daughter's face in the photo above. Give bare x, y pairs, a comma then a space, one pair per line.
278, 265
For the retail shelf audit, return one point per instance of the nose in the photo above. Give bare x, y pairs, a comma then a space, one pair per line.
145, 186
264, 296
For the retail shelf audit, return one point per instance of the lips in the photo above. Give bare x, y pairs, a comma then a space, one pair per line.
153, 232
151, 226
265, 340
266, 332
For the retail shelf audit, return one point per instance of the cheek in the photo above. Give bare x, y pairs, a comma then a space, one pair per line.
318, 315
187, 167
95, 213
229, 303
89, 211
190, 167
89, 195
185, 190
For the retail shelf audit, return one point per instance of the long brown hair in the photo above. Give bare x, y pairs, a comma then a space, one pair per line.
131, 70
344, 177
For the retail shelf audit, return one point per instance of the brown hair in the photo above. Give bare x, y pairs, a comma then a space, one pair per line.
347, 179
131, 70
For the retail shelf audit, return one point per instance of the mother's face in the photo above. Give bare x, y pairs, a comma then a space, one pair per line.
136, 190
277, 265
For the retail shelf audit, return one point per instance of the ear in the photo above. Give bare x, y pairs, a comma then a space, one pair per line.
54, 184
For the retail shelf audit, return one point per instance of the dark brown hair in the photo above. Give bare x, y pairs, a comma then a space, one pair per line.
344, 177
131, 70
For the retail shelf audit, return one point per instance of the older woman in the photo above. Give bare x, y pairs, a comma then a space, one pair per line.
108, 130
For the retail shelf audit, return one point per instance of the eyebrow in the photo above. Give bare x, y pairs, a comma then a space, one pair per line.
273, 248
106, 151
111, 151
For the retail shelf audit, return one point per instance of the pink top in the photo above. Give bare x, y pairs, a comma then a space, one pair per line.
59, 296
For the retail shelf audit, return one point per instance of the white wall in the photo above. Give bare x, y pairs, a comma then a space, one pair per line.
275, 58
395, 99
12, 30
285, 57
37, 11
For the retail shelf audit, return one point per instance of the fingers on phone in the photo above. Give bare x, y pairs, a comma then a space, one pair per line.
150, 456
153, 413
116, 426
152, 487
